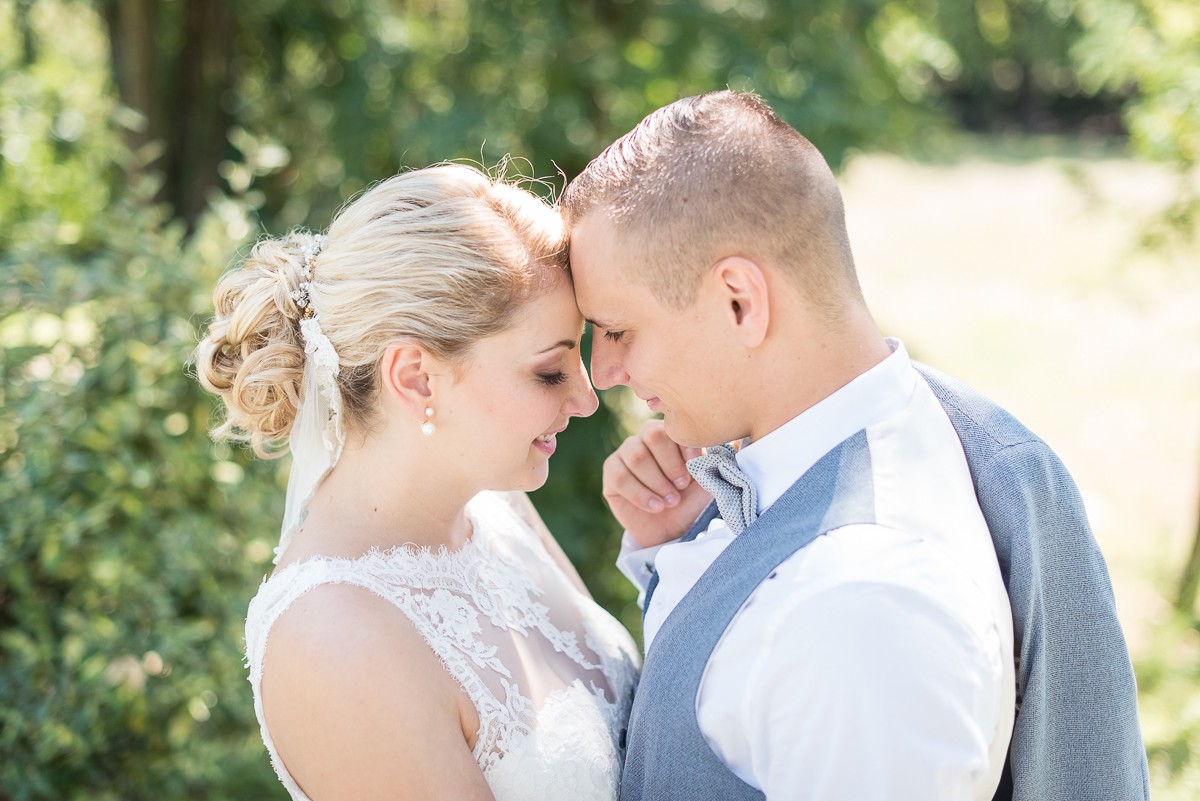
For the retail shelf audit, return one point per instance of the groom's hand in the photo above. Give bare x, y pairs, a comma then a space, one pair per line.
648, 488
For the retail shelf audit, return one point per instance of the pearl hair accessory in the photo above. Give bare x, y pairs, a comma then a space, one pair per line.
428, 428
300, 294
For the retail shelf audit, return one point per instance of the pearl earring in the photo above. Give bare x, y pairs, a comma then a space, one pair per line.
427, 428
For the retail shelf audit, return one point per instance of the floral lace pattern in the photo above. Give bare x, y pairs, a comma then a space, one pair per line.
477, 607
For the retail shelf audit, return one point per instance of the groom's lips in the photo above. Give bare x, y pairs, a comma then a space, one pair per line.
653, 402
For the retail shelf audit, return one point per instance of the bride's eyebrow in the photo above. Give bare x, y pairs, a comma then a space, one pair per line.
569, 344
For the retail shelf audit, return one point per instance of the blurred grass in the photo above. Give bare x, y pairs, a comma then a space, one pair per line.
1017, 265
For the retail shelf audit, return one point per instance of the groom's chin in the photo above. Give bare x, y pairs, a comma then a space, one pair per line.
699, 440
685, 435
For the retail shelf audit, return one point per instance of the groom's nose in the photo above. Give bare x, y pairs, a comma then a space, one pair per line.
607, 369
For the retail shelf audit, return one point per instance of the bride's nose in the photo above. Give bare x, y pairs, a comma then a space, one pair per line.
582, 400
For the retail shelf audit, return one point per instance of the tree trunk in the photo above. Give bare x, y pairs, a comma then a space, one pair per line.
28, 50
135, 61
181, 92
199, 118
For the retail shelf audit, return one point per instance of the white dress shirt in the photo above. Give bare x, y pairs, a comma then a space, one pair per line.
877, 662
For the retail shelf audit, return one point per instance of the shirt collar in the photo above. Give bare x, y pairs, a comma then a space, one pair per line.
774, 462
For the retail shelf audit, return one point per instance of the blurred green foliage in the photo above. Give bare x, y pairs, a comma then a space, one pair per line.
127, 549
1153, 46
143, 143
1168, 675
324, 97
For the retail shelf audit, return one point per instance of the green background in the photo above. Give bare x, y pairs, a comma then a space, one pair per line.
145, 143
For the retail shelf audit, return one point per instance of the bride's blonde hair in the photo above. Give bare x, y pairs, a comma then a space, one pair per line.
444, 256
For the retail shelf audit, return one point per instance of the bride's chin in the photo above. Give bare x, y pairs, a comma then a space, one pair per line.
530, 479
536, 478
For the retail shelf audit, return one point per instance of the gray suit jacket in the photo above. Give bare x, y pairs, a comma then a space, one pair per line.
1076, 735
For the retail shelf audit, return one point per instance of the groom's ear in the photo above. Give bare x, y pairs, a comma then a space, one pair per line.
404, 375
743, 288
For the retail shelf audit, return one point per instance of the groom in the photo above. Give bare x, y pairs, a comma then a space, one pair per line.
895, 593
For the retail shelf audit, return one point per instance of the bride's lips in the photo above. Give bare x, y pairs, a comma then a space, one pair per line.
547, 443
654, 403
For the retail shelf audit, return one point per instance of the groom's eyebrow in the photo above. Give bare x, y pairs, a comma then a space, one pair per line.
569, 344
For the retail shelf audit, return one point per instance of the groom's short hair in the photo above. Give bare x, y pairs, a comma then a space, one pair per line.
717, 175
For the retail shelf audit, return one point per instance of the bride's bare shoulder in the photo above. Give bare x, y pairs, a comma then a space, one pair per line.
359, 706
356, 620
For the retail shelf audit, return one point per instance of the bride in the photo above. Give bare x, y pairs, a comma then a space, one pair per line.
422, 635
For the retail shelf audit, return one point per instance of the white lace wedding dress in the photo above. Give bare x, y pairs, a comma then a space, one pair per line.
550, 672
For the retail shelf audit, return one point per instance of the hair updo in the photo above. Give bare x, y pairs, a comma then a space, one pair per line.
444, 256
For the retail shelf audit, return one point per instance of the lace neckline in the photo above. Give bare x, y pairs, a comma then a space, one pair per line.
404, 552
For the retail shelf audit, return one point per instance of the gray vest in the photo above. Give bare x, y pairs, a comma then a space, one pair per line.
1076, 736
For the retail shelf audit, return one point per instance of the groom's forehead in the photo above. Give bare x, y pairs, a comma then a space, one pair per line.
594, 249
604, 300
599, 225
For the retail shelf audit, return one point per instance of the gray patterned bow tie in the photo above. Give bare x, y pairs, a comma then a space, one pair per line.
718, 472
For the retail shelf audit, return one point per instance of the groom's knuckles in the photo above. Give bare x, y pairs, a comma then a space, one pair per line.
647, 468
620, 484
641, 462
670, 463
617, 478
669, 455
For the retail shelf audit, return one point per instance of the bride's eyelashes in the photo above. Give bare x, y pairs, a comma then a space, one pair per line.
552, 379
614, 336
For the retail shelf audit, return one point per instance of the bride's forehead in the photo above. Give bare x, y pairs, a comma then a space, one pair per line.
555, 302
545, 320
